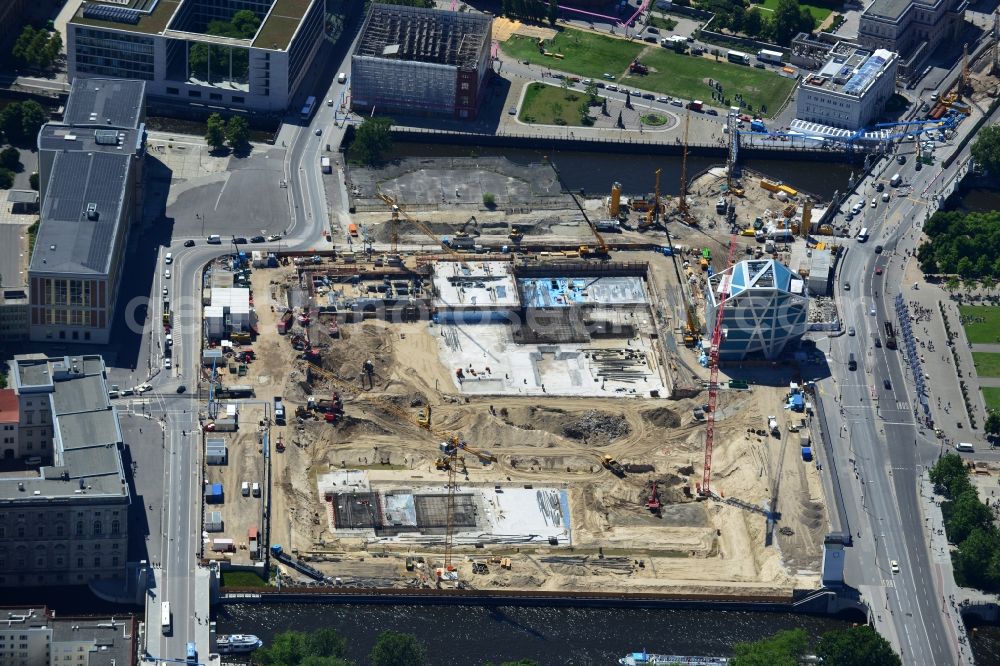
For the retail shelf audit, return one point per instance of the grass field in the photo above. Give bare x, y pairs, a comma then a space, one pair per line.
992, 396
585, 54
242, 579
987, 364
986, 331
551, 105
819, 13
687, 77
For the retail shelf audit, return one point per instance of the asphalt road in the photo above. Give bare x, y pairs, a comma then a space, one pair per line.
883, 452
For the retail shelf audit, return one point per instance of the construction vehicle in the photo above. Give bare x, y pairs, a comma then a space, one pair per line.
772, 426
279, 445
424, 417
713, 381
653, 503
890, 336
636, 67
398, 211
613, 466
653, 215
451, 446
601, 250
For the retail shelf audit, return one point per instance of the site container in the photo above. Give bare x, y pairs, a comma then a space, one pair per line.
214, 493
223, 545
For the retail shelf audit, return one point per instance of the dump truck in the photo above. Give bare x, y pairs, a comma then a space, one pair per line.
772, 425
613, 466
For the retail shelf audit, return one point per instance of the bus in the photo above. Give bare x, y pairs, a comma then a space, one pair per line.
166, 620
773, 57
307, 109
738, 57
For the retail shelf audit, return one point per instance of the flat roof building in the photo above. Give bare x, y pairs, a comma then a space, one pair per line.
911, 28
37, 637
63, 519
766, 308
198, 51
90, 182
851, 89
426, 62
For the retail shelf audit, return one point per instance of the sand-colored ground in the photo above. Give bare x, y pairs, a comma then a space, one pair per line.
695, 545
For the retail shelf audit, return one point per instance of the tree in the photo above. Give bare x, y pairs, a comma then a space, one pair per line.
371, 140
22, 45
33, 116
857, 646
591, 90
33, 181
325, 647
10, 158
54, 47
215, 132
992, 425
949, 475
245, 23
789, 20
783, 649
489, 200
6, 179
978, 560
966, 514
237, 132
752, 22
396, 649
553, 13
985, 149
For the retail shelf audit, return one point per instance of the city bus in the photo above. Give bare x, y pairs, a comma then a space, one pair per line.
307, 109
738, 57
166, 620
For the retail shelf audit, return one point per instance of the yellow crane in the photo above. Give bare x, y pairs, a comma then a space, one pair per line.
398, 210
653, 216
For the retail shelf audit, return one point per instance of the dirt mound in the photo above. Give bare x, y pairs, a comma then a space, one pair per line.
358, 344
662, 417
595, 426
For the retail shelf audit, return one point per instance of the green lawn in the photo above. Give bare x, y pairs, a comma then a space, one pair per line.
987, 364
819, 13
992, 396
985, 332
584, 53
687, 77
662, 22
551, 105
242, 579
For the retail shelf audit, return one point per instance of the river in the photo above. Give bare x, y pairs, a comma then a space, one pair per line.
595, 172
474, 635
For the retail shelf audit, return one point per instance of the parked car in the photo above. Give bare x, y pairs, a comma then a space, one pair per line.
512, 110
652, 30
648, 96
851, 331
166, 363
608, 76
182, 388
240, 240
711, 112
676, 102
274, 237
663, 100
257, 239
166, 274
760, 65
901, 159
650, 38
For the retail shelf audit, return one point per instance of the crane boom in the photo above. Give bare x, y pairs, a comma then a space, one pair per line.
682, 200
713, 381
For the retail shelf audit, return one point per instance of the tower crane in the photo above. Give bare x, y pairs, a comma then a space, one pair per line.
713, 361
398, 210
682, 205
653, 216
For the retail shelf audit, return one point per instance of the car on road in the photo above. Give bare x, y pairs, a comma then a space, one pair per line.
166, 364
650, 38
878, 249
166, 274
760, 65
214, 239
329, 102
189, 243
608, 76
874, 202
652, 30
168, 258
851, 331
663, 100
887, 384
257, 239
613, 87
166, 292
901, 159
676, 102
274, 237
849, 217
847, 286
712, 112
878, 342
182, 388
885, 196
878, 271
894, 565
648, 96
143, 388
880, 187
319, 131
240, 240
918, 166
871, 311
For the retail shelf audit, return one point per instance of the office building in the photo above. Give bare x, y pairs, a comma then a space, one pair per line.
37, 637
63, 519
765, 310
851, 89
90, 177
426, 62
911, 28
194, 52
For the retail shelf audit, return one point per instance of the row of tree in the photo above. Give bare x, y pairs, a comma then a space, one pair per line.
219, 132
10, 162
20, 122
37, 48
969, 523
531, 10
372, 140
326, 647
856, 646
963, 244
779, 26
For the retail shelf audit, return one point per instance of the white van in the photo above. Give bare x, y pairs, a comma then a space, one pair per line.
964, 446
863, 235
858, 207
215, 239
342, 77
896, 180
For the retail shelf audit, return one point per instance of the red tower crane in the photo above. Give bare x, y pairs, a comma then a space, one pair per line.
713, 364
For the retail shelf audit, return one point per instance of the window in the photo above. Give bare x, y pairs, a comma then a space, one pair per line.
79, 528
238, 99
97, 561
97, 528
79, 563
215, 97
194, 93
114, 527
173, 91
20, 530
41, 530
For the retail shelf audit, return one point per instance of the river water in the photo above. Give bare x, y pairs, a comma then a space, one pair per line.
474, 635
595, 172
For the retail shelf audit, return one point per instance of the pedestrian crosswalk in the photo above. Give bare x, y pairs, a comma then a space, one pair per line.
888, 582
